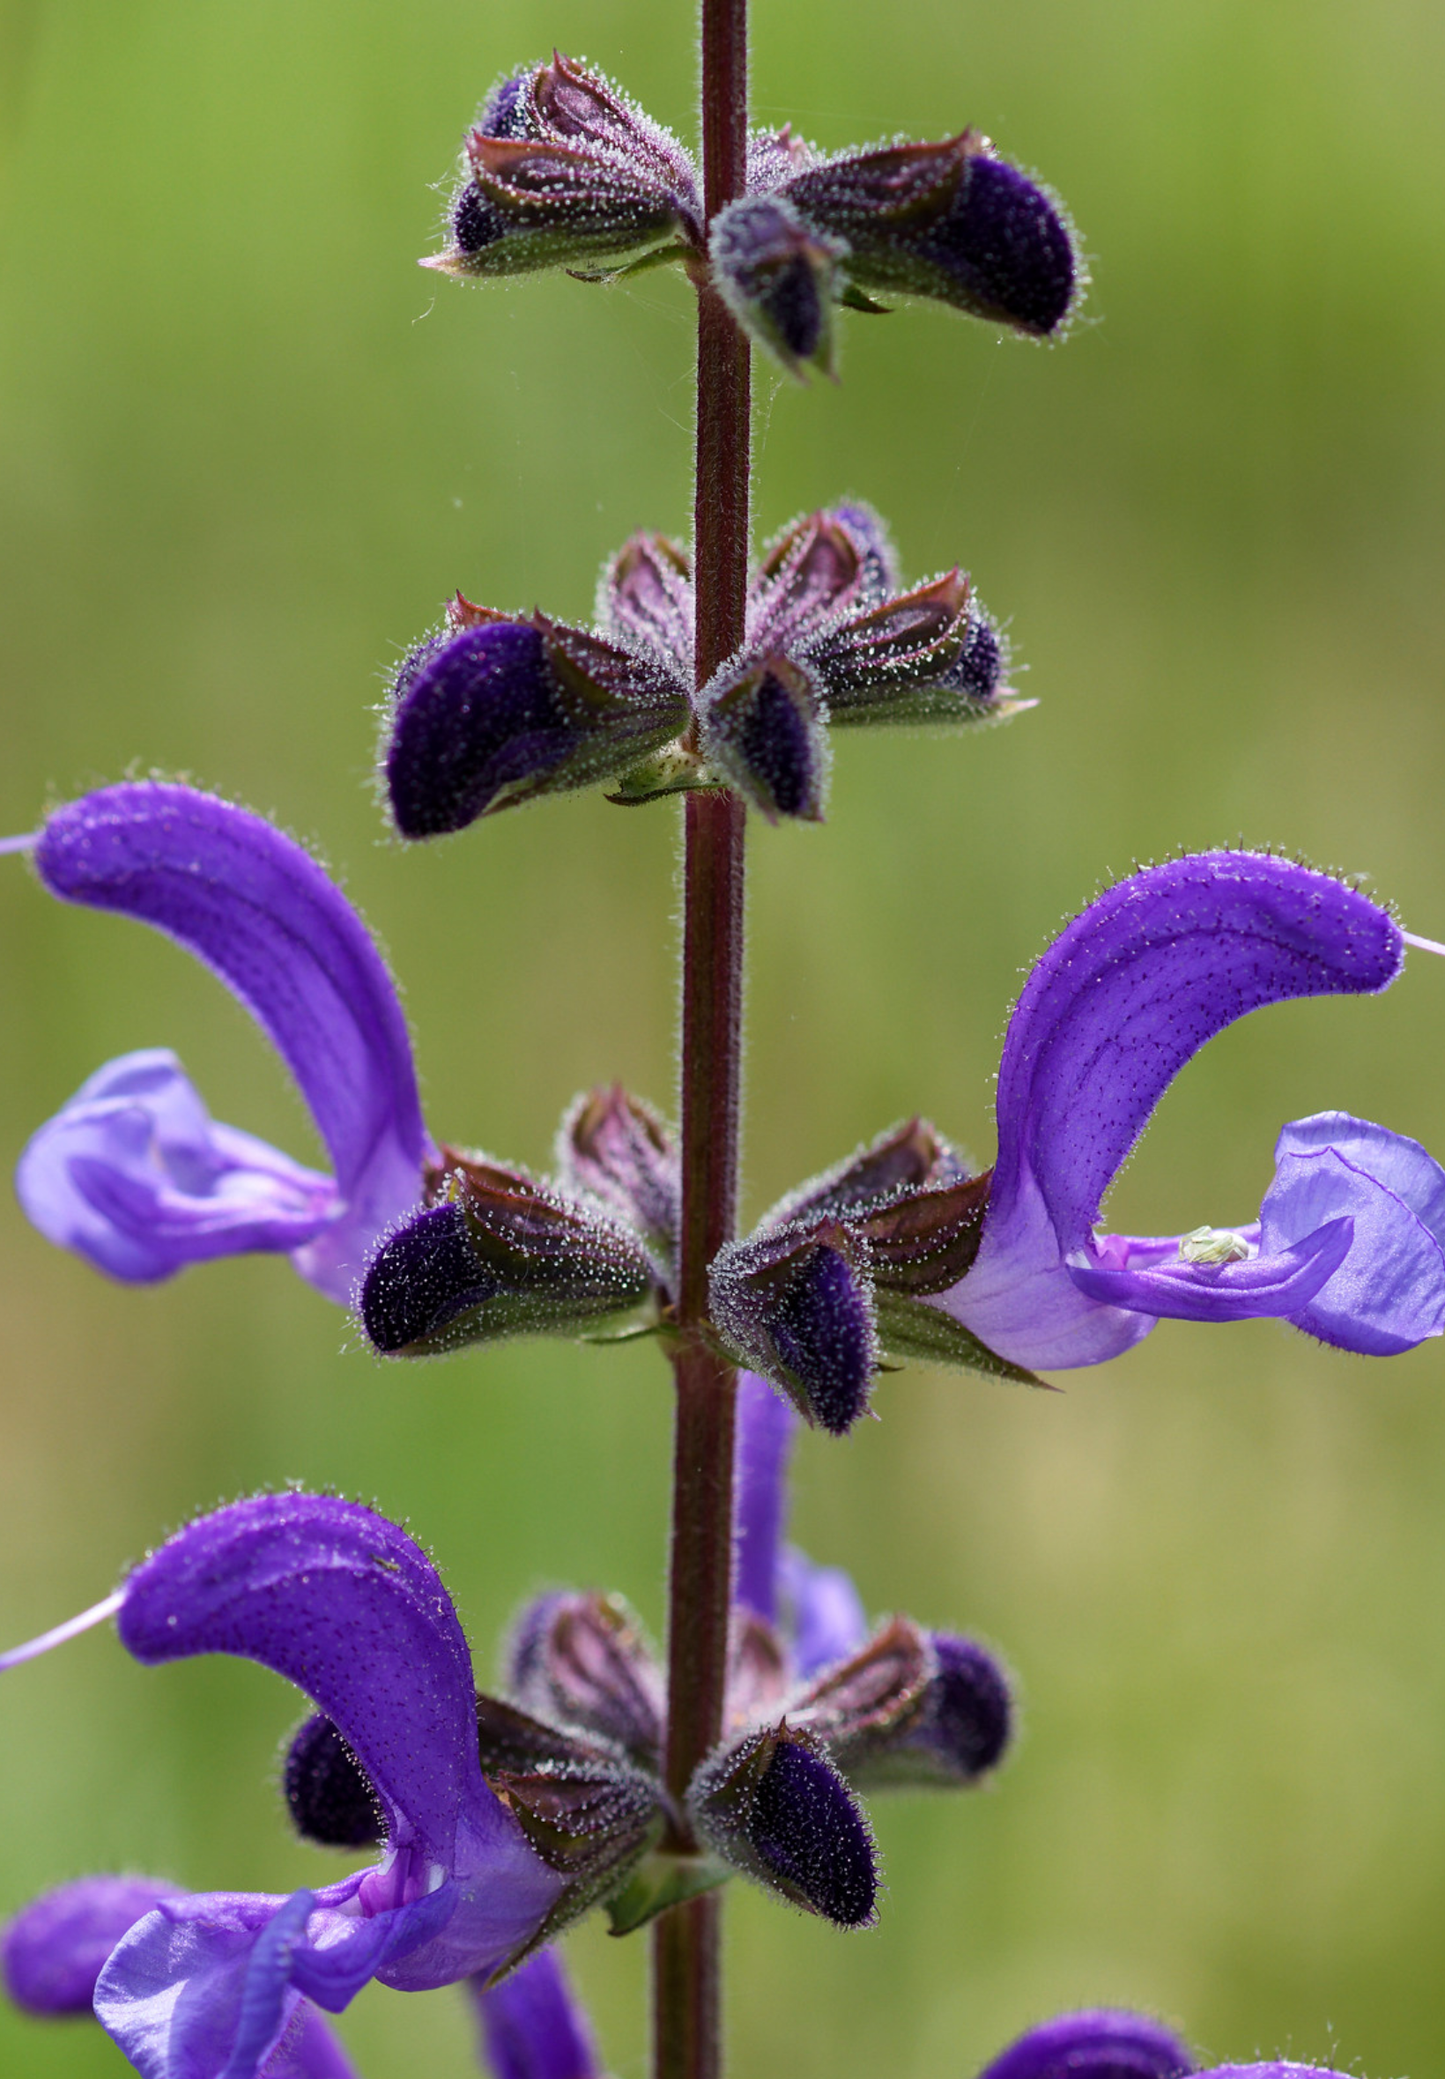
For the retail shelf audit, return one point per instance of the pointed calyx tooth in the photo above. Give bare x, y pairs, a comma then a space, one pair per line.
495, 711
796, 1304
499, 1254
616, 1149
584, 1660
774, 1806
763, 726
327, 1791
582, 1805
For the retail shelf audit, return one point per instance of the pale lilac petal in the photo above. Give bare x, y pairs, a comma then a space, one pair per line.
822, 1612
54, 1948
260, 912
136, 1176
1121, 1000
763, 1444
1099, 2044
1389, 1293
532, 2026
1276, 1283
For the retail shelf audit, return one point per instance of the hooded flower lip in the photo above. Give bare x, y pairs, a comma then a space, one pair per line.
57, 1946
341, 1602
133, 1173
1099, 2043
1349, 1240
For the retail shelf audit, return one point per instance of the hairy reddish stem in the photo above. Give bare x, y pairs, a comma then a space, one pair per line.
687, 2035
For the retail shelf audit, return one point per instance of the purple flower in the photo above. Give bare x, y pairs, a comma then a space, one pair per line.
348, 1607
532, 2026
133, 1173
55, 1949
1348, 1241
1102, 2043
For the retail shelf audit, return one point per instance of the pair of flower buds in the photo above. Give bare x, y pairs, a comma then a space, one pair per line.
903, 1251
563, 170
501, 1819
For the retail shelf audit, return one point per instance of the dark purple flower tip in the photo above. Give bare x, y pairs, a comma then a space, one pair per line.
1010, 248
533, 2026
421, 1280
326, 1790
981, 663
807, 1829
797, 1304
474, 223
1098, 2044
476, 718
502, 1255
507, 110
970, 1718
765, 730
54, 1949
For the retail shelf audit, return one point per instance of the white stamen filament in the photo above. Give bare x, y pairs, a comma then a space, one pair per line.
1426, 945
27, 843
57, 1636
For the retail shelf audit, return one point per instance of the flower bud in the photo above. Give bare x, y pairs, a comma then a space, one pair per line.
891, 664
912, 1710
764, 728
501, 1255
499, 712
615, 1149
583, 1660
813, 571
949, 221
779, 278
774, 1806
326, 1789
906, 1157
796, 1304
563, 171
1103, 2043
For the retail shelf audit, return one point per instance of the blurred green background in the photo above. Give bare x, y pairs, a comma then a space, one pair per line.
247, 449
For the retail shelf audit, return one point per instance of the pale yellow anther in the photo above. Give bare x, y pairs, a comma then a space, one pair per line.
1213, 1245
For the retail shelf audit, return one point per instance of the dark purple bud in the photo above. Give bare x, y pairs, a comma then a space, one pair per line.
501, 711
500, 1256
1010, 249
796, 1303
614, 1148
584, 1660
1100, 2044
980, 665
508, 110
764, 729
646, 597
887, 664
949, 221
906, 1157
326, 1789
56, 1947
774, 1806
779, 278
912, 1710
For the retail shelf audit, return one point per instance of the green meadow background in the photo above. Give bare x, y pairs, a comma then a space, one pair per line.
247, 449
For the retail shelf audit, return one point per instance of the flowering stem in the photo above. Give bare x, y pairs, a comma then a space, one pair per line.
686, 2002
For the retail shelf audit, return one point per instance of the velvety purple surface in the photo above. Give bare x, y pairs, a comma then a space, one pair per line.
54, 1948
259, 911
1096, 2044
531, 2025
1110, 1014
806, 1825
762, 1445
1009, 247
349, 1608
